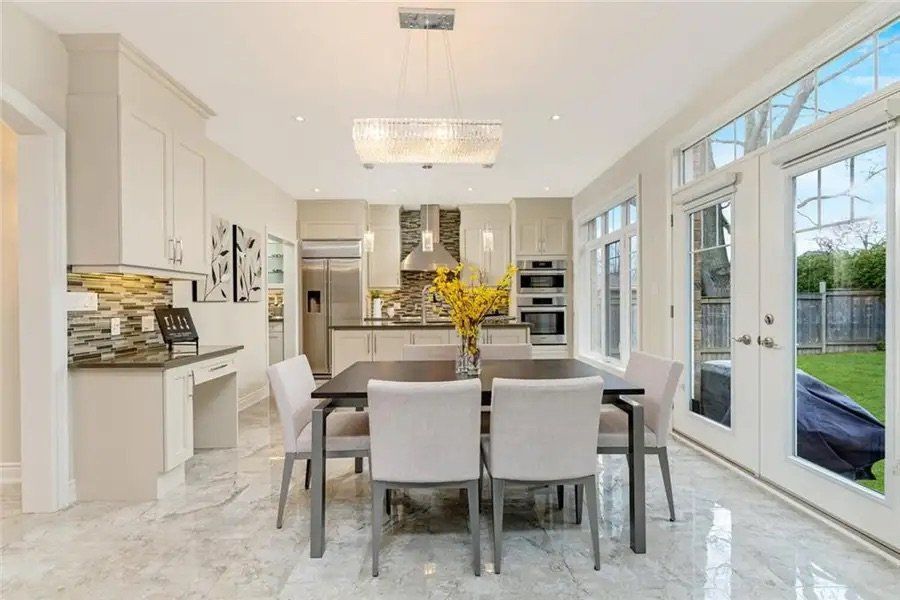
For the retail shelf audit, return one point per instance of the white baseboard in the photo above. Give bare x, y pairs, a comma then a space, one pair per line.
10, 473
253, 398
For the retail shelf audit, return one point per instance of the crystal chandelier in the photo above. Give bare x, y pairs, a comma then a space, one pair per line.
427, 141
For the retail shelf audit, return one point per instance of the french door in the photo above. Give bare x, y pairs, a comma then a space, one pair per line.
715, 265
828, 347
786, 271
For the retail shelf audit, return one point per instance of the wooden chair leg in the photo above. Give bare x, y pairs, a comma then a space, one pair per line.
592, 515
285, 486
663, 454
474, 524
579, 502
308, 473
378, 496
497, 500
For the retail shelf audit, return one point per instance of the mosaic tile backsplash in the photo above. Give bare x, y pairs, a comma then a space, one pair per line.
128, 297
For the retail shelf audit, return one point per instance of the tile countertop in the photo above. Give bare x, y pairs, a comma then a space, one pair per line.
392, 324
155, 358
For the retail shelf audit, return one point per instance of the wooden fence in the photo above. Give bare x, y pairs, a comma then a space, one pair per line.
832, 321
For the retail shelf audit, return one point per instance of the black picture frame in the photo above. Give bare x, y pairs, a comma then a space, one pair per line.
176, 326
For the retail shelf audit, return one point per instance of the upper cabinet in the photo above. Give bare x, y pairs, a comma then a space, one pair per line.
136, 168
485, 239
384, 259
331, 219
542, 226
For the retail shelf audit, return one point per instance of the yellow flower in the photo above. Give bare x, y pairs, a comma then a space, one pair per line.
471, 303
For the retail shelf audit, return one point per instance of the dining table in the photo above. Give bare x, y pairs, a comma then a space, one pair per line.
348, 389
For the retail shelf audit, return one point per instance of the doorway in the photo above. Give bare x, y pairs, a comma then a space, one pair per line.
281, 292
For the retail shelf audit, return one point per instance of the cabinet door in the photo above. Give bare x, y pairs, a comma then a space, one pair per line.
330, 230
388, 345
430, 336
553, 235
189, 187
146, 214
349, 346
384, 260
472, 251
178, 418
499, 259
529, 237
507, 335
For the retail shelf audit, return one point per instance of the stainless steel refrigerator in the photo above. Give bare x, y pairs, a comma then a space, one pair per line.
332, 293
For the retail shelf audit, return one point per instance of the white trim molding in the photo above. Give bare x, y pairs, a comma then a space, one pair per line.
10, 473
253, 398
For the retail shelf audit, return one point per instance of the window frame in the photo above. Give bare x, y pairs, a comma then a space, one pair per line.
596, 280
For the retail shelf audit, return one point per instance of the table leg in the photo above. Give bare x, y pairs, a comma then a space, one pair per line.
636, 481
317, 489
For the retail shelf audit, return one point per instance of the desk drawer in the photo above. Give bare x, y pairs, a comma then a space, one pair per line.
213, 369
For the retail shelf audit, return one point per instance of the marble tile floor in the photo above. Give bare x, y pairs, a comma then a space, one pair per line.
216, 538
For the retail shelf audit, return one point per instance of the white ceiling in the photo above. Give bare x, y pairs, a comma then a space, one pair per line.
614, 72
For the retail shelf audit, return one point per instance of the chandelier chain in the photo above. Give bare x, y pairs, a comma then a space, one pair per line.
454, 91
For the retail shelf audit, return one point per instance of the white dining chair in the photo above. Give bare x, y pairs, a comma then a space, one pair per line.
348, 432
424, 434
506, 351
430, 351
543, 431
659, 377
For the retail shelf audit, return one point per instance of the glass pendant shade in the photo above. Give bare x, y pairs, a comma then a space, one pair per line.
487, 239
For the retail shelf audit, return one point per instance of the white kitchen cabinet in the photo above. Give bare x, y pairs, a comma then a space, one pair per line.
384, 259
178, 417
430, 336
136, 172
349, 346
546, 236
276, 342
474, 220
331, 219
506, 335
189, 211
388, 344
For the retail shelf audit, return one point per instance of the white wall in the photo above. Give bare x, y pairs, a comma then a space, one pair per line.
10, 451
650, 161
244, 197
35, 62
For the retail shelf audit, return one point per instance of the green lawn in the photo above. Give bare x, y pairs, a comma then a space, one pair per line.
859, 375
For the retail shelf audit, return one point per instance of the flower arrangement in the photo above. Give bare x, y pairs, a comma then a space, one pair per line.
470, 303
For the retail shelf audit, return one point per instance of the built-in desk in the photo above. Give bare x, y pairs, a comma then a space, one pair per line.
139, 417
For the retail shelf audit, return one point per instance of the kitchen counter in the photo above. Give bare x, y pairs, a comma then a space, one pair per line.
393, 324
156, 358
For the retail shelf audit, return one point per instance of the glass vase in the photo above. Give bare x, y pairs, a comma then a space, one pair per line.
468, 362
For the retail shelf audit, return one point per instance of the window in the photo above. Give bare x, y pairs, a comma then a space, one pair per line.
868, 66
611, 249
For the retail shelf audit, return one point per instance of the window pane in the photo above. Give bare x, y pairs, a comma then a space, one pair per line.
612, 303
889, 55
722, 147
840, 325
695, 162
711, 315
634, 283
806, 193
596, 300
835, 188
847, 78
614, 219
724, 223
631, 205
794, 107
756, 127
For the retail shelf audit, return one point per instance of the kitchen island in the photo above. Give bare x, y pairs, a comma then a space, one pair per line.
383, 339
139, 416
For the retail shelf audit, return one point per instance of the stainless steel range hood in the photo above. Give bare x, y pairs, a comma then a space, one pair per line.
419, 259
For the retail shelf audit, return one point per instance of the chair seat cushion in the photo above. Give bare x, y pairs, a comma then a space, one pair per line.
344, 431
613, 431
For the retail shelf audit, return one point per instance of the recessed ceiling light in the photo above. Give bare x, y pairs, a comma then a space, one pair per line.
470, 189
316, 190
546, 188
299, 118
555, 117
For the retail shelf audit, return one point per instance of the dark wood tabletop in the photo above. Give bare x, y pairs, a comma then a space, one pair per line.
353, 381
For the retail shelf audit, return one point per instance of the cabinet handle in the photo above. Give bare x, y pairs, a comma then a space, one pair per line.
374, 345
180, 248
217, 367
172, 249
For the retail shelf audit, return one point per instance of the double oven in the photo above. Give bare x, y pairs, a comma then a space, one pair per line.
542, 288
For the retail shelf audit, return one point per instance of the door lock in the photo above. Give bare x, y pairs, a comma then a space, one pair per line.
766, 342
744, 339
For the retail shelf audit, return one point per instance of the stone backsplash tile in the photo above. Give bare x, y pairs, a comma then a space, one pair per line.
128, 297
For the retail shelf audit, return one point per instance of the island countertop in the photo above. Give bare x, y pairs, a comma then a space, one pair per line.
395, 324
157, 357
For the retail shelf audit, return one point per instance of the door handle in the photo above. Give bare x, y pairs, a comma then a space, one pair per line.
744, 339
766, 342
